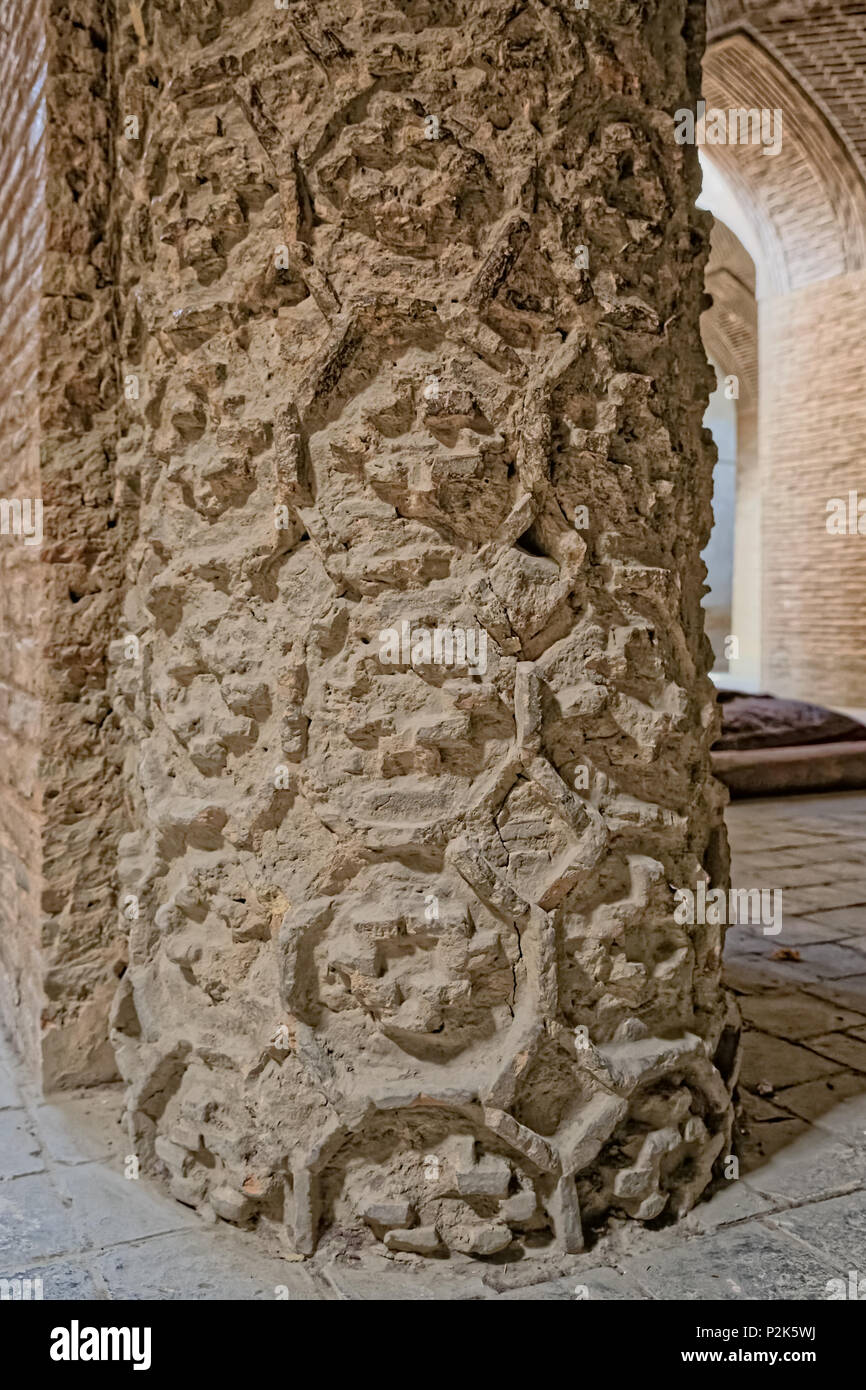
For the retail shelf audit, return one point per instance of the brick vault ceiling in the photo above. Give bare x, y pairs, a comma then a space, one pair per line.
823, 47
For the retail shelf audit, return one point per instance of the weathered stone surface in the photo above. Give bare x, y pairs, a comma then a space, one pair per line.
418, 747
421, 1240
374, 667
222, 1262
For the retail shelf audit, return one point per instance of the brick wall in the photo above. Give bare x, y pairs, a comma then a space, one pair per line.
813, 441
79, 378
60, 783
22, 178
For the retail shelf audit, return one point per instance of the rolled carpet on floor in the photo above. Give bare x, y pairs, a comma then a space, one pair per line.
773, 747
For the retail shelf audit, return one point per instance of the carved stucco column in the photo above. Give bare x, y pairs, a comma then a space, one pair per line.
412, 293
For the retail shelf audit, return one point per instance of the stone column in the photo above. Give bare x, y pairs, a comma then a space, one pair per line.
416, 683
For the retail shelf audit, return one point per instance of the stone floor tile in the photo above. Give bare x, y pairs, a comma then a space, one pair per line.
802, 837
111, 1208
19, 1147
821, 852
204, 1264
836, 1226
788, 877
766, 1058
757, 1108
796, 1015
849, 993
823, 960
766, 839
743, 1262
840, 1111
761, 1140
35, 1221
757, 860
804, 902
849, 1051
750, 974
365, 1281
593, 1285
76, 1131
59, 1281
743, 939
848, 920
813, 1165
796, 931
802, 855
815, 1100
9, 1093
733, 1202
847, 869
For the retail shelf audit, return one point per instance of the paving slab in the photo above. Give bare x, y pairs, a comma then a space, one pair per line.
769, 1059
815, 1100
759, 1108
35, 1221
826, 850
849, 866
849, 993
20, 1150
840, 1110
392, 1283
825, 960
593, 1285
204, 1264
9, 1093
843, 919
743, 1262
112, 1208
86, 1128
795, 1015
836, 1226
813, 1165
734, 1202
750, 974
804, 902
764, 1138
58, 1281
848, 1050
741, 943
809, 875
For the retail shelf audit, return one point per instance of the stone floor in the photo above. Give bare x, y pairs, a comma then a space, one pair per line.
792, 1221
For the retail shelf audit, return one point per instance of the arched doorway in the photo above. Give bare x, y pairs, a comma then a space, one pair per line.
800, 215
733, 557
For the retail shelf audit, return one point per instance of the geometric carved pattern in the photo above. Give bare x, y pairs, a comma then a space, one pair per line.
426, 982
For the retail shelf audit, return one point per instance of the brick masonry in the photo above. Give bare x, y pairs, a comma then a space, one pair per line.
61, 948
813, 446
22, 213
798, 592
